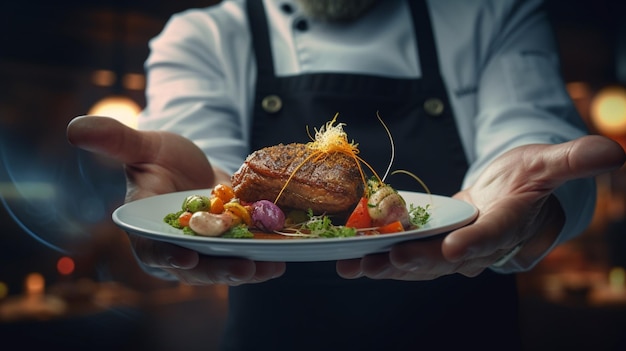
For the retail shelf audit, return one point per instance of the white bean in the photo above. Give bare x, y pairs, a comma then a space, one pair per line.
210, 224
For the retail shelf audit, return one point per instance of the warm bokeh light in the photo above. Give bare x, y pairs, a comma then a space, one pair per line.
108, 78
617, 279
134, 81
103, 77
4, 290
65, 265
35, 284
608, 111
122, 108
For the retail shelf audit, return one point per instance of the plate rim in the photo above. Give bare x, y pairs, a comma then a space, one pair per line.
170, 237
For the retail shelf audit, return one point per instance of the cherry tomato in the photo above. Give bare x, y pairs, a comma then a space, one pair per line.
217, 205
224, 192
360, 217
183, 219
393, 227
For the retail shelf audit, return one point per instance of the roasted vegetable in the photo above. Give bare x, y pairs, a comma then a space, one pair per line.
267, 216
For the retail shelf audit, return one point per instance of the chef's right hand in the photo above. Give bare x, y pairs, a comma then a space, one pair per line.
158, 162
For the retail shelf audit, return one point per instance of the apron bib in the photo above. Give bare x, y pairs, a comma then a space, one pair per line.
311, 307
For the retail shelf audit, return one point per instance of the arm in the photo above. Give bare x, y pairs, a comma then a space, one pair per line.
158, 162
522, 100
531, 164
191, 113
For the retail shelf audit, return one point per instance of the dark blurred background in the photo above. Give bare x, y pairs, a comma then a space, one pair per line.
58, 59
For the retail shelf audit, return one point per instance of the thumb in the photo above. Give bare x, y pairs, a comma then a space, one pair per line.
108, 137
584, 157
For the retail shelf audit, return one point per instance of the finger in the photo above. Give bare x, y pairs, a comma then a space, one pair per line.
349, 269
377, 266
230, 271
161, 254
381, 266
268, 270
598, 155
424, 260
220, 270
486, 236
108, 137
475, 267
156, 157
418, 256
584, 157
413, 260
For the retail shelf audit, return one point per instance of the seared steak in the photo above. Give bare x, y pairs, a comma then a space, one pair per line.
331, 184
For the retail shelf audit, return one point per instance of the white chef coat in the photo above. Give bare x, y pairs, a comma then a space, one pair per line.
498, 59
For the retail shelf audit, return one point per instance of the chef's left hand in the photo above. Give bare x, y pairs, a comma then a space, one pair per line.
515, 203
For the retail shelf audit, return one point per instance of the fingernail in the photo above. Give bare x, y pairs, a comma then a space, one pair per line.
278, 273
353, 275
171, 260
412, 266
385, 272
233, 278
181, 258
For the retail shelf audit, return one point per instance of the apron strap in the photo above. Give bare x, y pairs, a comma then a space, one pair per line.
261, 38
426, 48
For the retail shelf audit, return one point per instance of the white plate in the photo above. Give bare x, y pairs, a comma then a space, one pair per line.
145, 218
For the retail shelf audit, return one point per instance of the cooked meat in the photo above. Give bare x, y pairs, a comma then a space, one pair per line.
328, 185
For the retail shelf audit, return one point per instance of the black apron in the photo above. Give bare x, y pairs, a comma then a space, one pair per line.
311, 307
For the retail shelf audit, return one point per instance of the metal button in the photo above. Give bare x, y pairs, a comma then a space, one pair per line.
301, 24
433, 106
271, 103
287, 8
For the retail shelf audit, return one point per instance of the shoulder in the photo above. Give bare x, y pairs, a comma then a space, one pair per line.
208, 34
480, 28
224, 19
480, 12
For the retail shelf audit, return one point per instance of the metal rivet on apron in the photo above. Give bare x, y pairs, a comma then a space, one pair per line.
271, 103
433, 106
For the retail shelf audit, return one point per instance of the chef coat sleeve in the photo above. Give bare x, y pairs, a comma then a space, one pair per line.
195, 72
522, 100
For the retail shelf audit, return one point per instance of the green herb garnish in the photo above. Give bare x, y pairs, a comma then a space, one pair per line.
238, 232
419, 215
319, 227
172, 219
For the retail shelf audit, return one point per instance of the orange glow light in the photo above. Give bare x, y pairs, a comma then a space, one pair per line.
578, 90
65, 265
35, 284
4, 290
134, 81
103, 78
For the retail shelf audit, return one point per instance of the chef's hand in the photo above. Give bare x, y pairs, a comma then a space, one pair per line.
513, 196
157, 163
